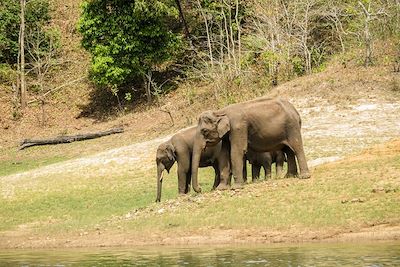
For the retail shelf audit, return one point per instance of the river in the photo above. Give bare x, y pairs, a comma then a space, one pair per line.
321, 254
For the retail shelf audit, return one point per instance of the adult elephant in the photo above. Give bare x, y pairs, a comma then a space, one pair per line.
179, 148
262, 124
265, 160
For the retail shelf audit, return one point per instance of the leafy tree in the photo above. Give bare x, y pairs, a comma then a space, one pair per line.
9, 29
127, 38
37, 15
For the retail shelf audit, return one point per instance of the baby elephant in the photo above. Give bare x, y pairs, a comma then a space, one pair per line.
179, 148
265, 160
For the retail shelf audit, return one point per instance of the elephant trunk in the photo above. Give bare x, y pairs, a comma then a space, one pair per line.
198, 147
160, 173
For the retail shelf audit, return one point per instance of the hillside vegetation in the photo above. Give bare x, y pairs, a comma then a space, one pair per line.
237, 50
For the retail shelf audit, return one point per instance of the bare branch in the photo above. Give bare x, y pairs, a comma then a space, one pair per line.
56, 89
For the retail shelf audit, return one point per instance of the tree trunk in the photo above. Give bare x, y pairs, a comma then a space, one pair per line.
239, 31
208, 33
67, 138
147, 83
367, 34
22, 57
187, 33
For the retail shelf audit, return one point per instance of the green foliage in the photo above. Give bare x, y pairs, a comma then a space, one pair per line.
7, 75
9, 30
41, 42
127, 39
37, 15
298, 65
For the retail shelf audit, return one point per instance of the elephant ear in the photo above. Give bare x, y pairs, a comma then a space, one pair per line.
170, 152
223, 126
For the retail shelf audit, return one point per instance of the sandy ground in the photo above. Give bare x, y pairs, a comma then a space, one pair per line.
352, 128
121, 238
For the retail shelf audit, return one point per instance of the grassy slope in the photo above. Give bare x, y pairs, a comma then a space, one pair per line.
360, 191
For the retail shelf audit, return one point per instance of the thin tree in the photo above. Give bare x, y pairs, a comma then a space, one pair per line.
21, 63
369, 16
207, 32
187, 33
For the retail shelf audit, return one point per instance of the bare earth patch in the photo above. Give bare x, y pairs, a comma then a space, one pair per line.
330, 132
22, 239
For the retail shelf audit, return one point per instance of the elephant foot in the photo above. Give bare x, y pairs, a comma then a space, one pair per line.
305, 176
197, 190
290, 175
222, 187
236, 186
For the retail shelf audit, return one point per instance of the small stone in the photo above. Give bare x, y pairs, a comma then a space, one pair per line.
378, 189
161, 211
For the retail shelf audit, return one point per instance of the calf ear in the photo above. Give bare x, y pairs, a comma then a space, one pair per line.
171, 152
223, 125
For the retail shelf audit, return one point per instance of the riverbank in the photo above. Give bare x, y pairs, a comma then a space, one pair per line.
384, 232
354, 199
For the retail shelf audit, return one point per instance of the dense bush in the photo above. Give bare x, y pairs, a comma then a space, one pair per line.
127, 39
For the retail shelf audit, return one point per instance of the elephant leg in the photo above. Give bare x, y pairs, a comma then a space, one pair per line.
183, 172
237, 168
291, 162
255, 172
280, 158
188, 182
238, 140
297, 145
268, 170
244, 169
217, 178
224, 167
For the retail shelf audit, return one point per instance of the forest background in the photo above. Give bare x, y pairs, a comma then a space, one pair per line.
99, 60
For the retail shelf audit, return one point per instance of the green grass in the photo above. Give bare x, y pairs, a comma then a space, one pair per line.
321, 202
8, 167
69, 203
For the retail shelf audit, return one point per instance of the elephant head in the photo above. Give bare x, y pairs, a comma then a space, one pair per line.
165, 158
211, 128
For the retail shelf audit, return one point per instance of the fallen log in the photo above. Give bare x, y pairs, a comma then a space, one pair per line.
67, 138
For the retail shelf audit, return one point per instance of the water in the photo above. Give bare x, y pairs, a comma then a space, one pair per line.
378, 254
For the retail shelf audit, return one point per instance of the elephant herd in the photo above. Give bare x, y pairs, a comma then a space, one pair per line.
261, 131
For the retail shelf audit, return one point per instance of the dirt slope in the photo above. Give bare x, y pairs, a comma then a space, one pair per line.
343, 111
